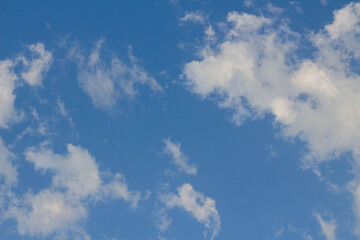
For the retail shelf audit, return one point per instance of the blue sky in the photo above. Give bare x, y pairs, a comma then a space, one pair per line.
179, 120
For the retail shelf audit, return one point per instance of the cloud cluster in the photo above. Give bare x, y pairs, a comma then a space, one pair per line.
76, 184
256, 70
107, 80
202, 208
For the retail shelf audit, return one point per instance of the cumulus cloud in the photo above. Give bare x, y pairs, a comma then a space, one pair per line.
63, 206
256, 71
328, 228
31, 70
179, 158
107, 80
202, 208
76, 172
47, 212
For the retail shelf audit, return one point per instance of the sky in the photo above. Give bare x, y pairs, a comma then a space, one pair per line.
180, 119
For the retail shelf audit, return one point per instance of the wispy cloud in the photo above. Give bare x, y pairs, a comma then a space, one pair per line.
328, 228
179, 158
162, 220
36, 68
8, 171
108, 79
195, 17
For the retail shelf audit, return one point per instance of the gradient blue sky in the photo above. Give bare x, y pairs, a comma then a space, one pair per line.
179, 120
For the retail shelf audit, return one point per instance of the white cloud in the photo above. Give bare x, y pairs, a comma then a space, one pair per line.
7, 170
210, 33
8, 177
275, 10
179, 158
76, 184
195, 17
245, 22
200, 18
174, 2
36, 68
162, 220
47, 212
200, 207
118, 188
327, 228
248, 3
76, 172
354, 187
107, 80
61, 107
7, 96
256, 71
32, 71
323, 2
297, 6
298, 231
48, 25
279, 232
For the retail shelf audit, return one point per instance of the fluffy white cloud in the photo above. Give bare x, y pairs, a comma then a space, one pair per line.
179, 158
202, 208
76, 183
47, 212
76, 172
346, 22
327, 228
108, 80
32, 71
256, 71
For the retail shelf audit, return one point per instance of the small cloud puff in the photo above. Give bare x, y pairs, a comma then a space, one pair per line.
202, 208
